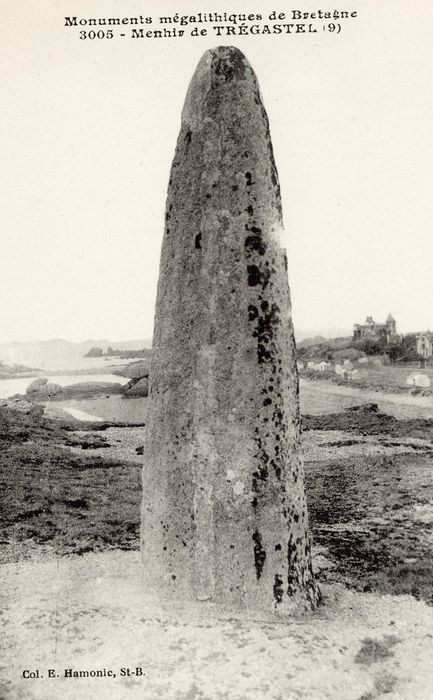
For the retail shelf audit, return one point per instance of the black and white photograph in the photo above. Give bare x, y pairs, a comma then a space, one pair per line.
216, 350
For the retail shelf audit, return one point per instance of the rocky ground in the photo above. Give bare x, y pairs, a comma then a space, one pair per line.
370, 490
59, 481
70, 573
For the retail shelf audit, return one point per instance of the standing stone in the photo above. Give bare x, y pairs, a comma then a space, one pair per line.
224, 517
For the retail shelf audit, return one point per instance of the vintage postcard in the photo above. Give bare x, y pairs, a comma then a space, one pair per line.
216, 350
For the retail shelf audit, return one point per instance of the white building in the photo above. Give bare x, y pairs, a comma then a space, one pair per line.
424, 344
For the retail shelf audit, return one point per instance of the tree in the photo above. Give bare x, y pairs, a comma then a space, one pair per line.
371, 345
404, 350
394, 351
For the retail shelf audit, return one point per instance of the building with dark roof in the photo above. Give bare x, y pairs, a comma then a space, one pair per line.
373, 329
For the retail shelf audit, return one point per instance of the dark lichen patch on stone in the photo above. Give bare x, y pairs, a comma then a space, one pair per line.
278, 588
197, 241
263, 354
260, 476
278, 419
257, 230
257, 276
259, 554
228, 64
254, 275
266, 323
252, 312
262, 473
255, 243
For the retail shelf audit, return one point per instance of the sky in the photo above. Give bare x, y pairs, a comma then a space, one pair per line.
87, 135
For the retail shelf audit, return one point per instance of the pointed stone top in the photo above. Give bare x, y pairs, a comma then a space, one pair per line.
227, 63
222, 68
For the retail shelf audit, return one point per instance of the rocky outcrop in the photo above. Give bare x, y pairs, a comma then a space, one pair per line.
22, 406
12, 371
36, 385
84, 389
51, 389
135, 370
42, 390
136, 387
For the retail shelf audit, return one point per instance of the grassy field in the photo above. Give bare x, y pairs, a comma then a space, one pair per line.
368, 477
391, 378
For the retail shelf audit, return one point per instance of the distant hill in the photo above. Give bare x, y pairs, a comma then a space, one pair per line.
323, 334
58, 354
328, 348
308, 342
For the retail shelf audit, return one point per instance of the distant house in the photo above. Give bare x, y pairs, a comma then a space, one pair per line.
418, 380
372, 329
424, 344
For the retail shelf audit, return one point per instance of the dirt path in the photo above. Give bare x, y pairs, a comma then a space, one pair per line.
319, 397
89, 613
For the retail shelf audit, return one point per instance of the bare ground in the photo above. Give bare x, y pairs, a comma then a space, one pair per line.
89, 613
72, 594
